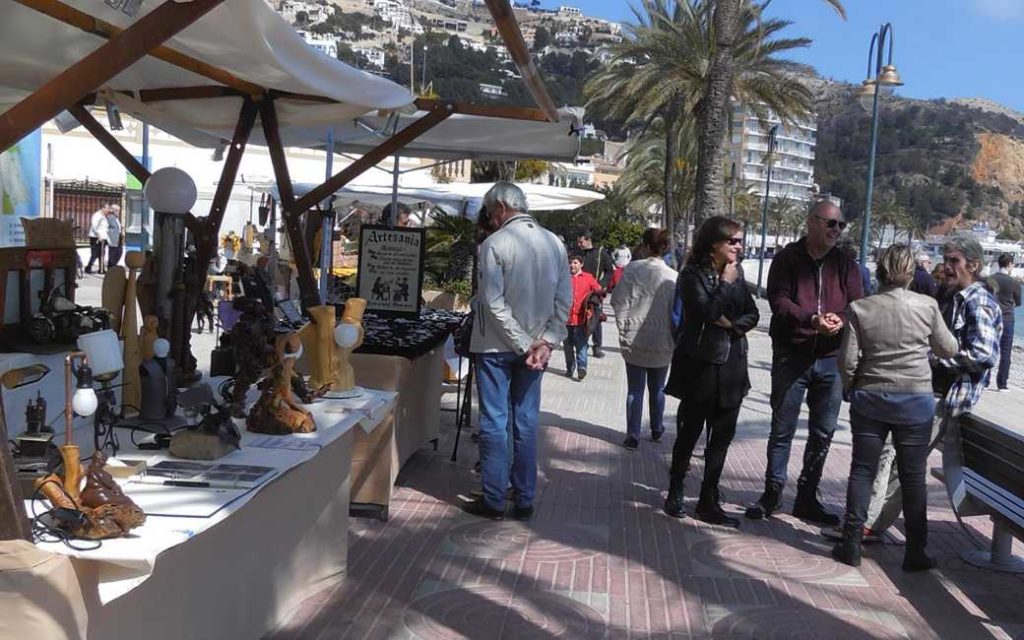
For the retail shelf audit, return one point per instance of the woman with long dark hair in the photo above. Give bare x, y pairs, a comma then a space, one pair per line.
709, 364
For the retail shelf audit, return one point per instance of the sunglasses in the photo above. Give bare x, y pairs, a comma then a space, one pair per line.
735, 242
832, 224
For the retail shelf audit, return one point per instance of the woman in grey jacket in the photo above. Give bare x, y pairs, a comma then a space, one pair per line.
642, 301
883, 362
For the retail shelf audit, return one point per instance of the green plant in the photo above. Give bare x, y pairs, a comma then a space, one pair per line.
449, 252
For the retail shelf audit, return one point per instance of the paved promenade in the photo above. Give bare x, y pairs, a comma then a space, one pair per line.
600, 559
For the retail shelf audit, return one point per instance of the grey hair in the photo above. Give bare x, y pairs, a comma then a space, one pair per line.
967, 245
821, 204
896, 266
508, 194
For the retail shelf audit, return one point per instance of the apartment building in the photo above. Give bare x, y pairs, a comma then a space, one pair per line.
793, 164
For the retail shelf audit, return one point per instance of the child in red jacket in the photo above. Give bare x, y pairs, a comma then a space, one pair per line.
583, 286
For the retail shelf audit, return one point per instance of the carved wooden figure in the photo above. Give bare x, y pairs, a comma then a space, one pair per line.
318, 343
132, 395
277, 411
348, 336
150, 332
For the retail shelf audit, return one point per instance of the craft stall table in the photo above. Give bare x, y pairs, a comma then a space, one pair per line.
240, 571
406, 356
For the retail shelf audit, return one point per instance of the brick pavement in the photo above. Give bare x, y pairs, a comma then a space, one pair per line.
600, 559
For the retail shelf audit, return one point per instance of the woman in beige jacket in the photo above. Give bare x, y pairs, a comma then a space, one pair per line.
642, 301
883, 362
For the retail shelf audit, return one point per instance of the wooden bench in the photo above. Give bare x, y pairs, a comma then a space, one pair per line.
983, 468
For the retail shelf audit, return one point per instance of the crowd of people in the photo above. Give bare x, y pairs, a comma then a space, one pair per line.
909, 355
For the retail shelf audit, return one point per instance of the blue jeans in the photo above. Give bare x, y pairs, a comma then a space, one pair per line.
509, 400
575, 347
793, 377
636, 379
1005, 351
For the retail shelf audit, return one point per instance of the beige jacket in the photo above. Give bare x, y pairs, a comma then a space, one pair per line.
643, 312
886, 343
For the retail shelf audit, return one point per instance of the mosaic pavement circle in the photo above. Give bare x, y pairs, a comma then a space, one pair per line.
809, 624
480, 611
766, 558
542, 542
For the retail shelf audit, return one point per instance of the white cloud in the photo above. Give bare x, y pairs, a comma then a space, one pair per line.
1001, 9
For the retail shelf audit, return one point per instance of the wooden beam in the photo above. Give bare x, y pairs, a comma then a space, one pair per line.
309, 294
110, 143
90, 24
370, 159
508, 27
108, 60
485, 110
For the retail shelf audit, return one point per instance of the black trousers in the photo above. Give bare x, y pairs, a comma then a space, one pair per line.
912, 444
690, 423
114, 255
95, 251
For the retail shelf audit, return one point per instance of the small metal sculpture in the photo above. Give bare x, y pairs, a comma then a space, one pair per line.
277, 411
251, 344
159, 385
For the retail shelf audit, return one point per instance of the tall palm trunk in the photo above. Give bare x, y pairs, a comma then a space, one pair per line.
671, 151
712, 113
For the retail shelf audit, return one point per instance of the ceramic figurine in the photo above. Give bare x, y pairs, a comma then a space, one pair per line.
348, 336
277, 411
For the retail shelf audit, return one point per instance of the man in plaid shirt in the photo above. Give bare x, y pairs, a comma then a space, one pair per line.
974, 317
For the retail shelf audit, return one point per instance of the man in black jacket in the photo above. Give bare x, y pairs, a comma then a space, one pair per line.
1007, 291
598, 263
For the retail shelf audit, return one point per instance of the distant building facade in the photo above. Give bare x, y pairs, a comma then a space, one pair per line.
793, 165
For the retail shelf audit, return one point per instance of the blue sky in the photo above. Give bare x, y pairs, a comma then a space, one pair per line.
944, 48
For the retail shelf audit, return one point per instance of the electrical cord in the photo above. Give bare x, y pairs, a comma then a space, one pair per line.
45, 532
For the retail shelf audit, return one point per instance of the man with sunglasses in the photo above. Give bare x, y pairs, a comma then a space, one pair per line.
810, 284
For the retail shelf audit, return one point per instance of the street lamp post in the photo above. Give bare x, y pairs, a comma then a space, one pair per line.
423, 63
884, 80
768, 159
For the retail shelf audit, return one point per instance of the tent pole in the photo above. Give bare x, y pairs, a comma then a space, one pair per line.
396, 174
105, 62
327, 227
110, 143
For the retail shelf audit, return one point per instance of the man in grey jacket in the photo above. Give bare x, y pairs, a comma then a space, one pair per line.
521, 307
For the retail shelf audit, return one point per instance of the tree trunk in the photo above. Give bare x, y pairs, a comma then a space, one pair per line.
712, 114
670, 209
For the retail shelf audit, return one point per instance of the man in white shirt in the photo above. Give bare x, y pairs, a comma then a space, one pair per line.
521, 307
114, 236
97, 236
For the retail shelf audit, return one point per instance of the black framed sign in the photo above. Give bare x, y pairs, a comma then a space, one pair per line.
391, 269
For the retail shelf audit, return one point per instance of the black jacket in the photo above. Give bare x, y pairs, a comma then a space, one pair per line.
598, 263
923, 282
710, 362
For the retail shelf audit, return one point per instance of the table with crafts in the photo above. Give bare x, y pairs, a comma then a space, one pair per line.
232, 563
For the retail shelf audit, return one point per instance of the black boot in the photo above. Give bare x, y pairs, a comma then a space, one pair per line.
674, 502
808, 507
848, 551
769, 502
709, 509
915, 559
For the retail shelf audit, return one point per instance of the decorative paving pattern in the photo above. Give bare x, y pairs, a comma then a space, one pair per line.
809, 624
559, 542
485, 539
489, 611
768, 558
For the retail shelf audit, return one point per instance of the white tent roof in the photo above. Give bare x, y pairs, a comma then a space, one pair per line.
243, 37
460, 198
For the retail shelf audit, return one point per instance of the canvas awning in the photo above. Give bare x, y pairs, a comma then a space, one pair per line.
244, 38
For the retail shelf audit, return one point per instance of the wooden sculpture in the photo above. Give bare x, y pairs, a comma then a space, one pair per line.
113, 294
277, 412
108, 513
150, 332
318, 344
349, 336
132, 394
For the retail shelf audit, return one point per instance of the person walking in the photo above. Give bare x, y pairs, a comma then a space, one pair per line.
115, 237
810, 285
709, 365
520, 311
97, 236
883, 362
1007, 292
598, 263
975, 319
583, 287
642, 301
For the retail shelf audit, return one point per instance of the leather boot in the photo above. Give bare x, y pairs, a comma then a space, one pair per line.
915, 559
674, 502
709, 509
808, 507
769, 502
848, 551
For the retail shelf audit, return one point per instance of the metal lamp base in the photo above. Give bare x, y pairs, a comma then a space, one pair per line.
985, 560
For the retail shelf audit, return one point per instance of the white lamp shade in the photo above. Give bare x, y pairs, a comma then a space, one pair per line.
346, 335
170, 190
103, 350
161, 347
84, 402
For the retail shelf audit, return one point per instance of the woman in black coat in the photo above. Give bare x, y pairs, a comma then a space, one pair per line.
709, 364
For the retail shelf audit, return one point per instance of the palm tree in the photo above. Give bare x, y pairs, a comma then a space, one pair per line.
781, 216
643, 180
661, 69
725, 68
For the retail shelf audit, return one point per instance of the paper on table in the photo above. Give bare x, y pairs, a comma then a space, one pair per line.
283, 442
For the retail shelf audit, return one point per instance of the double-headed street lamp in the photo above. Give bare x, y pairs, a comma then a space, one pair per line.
769, 157
885, 79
